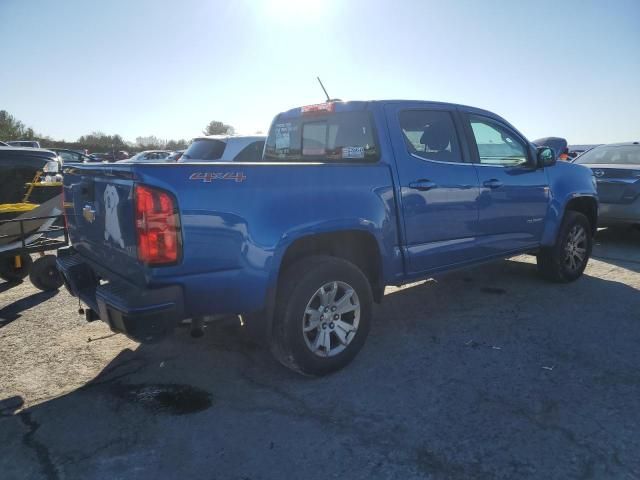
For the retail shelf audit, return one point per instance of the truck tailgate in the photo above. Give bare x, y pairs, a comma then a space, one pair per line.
100, 217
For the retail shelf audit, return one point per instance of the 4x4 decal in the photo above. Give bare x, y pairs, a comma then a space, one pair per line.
208, 177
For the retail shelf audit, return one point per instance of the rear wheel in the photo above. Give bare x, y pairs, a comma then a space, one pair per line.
567, 259
45, 275
14, 269
322, 315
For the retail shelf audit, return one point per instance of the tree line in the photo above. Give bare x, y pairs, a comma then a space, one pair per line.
13, 129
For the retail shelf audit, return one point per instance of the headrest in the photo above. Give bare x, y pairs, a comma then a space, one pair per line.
436, 136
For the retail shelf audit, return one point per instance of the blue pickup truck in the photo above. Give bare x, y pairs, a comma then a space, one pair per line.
349, 197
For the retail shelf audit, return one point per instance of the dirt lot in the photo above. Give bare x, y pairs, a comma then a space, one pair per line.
488, 373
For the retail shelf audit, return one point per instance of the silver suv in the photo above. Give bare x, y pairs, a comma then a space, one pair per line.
225, 148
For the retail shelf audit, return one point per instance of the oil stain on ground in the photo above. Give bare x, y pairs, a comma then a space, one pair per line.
169, 398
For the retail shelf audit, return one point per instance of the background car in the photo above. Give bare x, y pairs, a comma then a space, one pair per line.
616, 168
175, 156
121, 155
2, 144
575, 150
225, 148
18, 166
71, 156
150, 156
558, 144
24, 143
98, 157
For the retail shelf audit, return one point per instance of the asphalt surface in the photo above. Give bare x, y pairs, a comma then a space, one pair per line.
487, 373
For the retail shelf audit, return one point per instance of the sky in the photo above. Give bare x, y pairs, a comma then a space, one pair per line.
166, 68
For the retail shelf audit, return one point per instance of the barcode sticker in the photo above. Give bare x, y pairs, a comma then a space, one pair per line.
352, 152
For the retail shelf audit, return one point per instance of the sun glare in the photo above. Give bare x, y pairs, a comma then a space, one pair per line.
291, 10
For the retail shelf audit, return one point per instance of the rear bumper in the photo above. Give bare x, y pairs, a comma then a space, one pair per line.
145, 315
617, 214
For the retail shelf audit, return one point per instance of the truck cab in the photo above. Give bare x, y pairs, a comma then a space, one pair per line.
349, 197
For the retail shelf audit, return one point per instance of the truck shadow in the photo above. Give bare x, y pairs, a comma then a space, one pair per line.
620, 247
492, 346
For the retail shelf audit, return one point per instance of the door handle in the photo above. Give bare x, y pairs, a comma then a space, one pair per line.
423, 185
493, 183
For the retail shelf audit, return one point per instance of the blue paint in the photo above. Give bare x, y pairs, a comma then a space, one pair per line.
236, 233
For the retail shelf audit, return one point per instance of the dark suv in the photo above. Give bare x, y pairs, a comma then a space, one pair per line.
19, 166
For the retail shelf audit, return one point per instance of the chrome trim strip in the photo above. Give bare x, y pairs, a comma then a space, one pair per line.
470, 163
438, 161
502, 166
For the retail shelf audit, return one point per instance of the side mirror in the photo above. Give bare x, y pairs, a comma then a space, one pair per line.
546, 157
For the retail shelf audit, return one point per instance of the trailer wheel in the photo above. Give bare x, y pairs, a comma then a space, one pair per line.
45, 275
9, 271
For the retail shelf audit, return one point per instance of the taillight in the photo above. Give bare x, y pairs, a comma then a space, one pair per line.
157, 226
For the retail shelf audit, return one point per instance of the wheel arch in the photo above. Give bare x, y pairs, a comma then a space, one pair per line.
586, 204
352, 244
359, 247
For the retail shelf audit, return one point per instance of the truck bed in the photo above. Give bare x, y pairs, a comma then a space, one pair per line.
236, 221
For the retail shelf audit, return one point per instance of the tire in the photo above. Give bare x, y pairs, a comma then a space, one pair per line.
44, 274
563, 262
329, 344
10, 273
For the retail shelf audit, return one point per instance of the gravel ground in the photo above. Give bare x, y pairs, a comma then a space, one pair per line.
487, 373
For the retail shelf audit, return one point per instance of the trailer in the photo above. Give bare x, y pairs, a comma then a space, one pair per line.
34, 232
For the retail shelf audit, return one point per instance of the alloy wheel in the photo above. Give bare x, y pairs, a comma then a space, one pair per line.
331, 319
575, 248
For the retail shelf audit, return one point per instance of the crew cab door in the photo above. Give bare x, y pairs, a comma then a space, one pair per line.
438, 186
514, 193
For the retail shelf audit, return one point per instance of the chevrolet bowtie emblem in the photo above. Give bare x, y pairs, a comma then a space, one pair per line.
89, 213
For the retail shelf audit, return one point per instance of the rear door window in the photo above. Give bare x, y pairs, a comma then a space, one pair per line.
333, 137
251, 153
204, 149
431, 134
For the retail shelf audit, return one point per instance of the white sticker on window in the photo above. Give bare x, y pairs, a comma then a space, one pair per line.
283, 136
352, 152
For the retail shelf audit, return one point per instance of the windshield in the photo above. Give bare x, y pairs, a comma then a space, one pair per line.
205, 149
69, 157
614, 154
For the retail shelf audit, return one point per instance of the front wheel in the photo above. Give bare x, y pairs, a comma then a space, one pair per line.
322, 315
567, 259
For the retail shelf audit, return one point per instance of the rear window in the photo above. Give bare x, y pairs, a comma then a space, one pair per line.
204, 149
620, 154
334, 137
